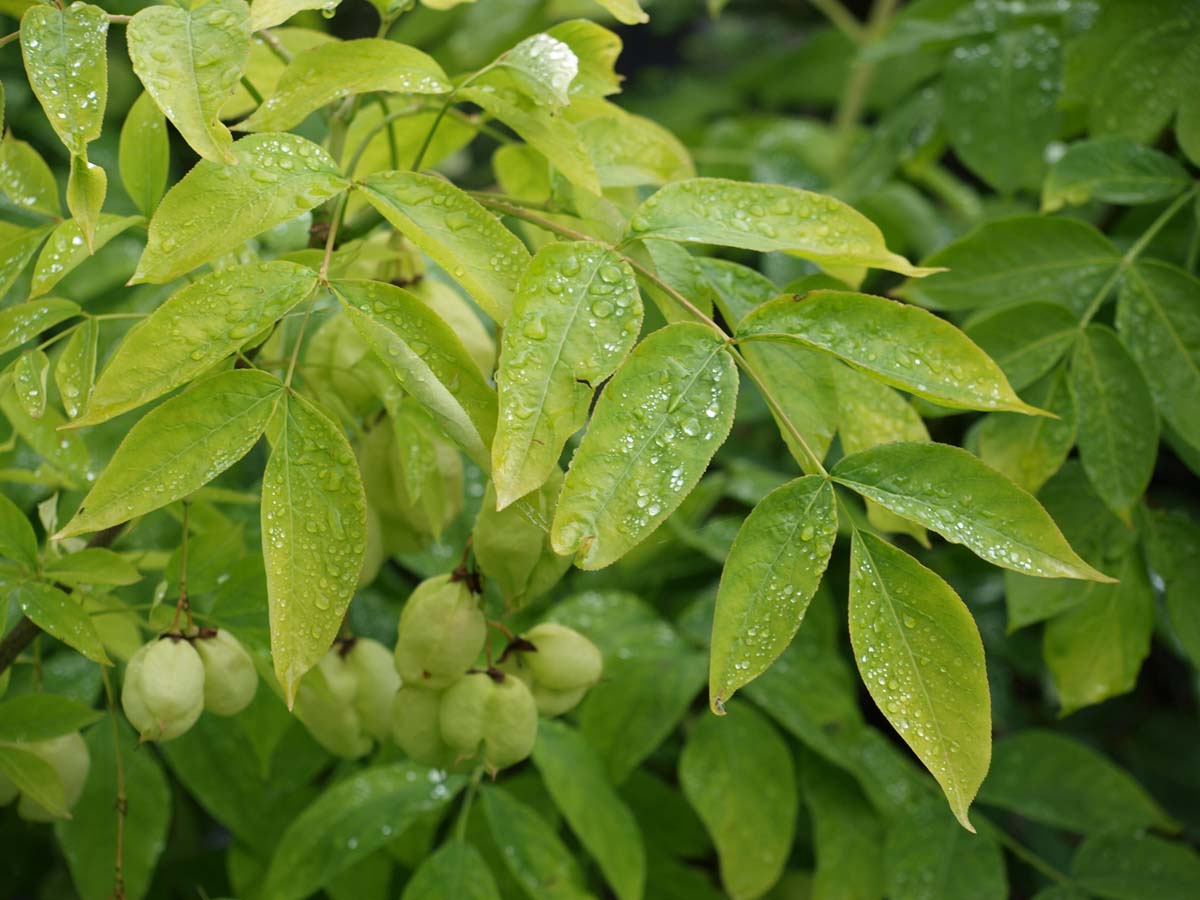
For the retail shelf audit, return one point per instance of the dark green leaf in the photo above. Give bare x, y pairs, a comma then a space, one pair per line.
1025, 340
928, 857
534, 854
1113, 170
1134, 867
455, 872
39, 717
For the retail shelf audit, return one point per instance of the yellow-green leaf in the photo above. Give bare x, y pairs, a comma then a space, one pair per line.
427, 358
314, 530
26, 179
627, 12
901, 345
328, 72
576, 314
24, 321
66, 62
951, 492
17, 246
921, 659
61, 616
214, 208
31, 377
87, 186
179, 447
456, 232
190, 60
766, 217
771, 574
653, 432
144, 155
67, 248
193, 330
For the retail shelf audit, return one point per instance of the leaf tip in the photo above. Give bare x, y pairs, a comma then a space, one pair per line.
717, 704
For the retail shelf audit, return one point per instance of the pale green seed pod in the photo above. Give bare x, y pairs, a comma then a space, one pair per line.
376, 683
328, 712
163, 694
68, 754
441, 633
230, 680
497, 717
416, 728
564, 660
554, 703
374, 553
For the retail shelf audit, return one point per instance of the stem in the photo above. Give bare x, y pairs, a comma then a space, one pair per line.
1023, 853
252, 90
9, 38
385, 122
335, 223
842, 19
1134, 251
183, 606
122, 803
450, 98
814, 462
854, 95
299, 339
275, 46
460, 829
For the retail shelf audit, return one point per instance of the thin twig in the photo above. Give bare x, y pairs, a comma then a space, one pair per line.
122, 802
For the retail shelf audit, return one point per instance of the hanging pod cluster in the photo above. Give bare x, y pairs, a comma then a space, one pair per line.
447, 712
172, 679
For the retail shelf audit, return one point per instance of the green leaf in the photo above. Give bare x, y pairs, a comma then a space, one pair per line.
17, 539
269, 13
1133, 867
654, 430
848, 835
24, 321
190, 60
455, 872
597, 50
1026, 259
178, 447
512, 546
575, 778
34, 777
89, 839
60, 616
1117, 428
1030, 449
921, 659
144, 157
328, 72
314, 530
869, 414
75, 371
627, 12
772, 572
1013, 76
1090, 527
193, 330
556, 138
631, 151
349, 821
26, 179
541, 67
1173, 545
64, 452
928, 857
637, 706
901, 345
533, 852
17, 246
1054, 779
456, 232
1112, 169
576, 314
1095, 650
427, 359
802, 380
92, 565
1134, 65
738, 775
1158, 319
31, 377
66, 62
39, 717
214, 208
87, 186
951, 492
766, 217
67, 248
1027, 340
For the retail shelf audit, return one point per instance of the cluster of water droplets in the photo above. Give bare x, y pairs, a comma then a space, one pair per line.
65, 59
24, 178
546, 61
24, 320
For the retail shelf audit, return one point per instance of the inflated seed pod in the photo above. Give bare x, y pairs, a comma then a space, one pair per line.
416, 729
564, 659
163, 694
69, 757
554, 703
230, 680
441, 633
493, 714
325, 706
376, 683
